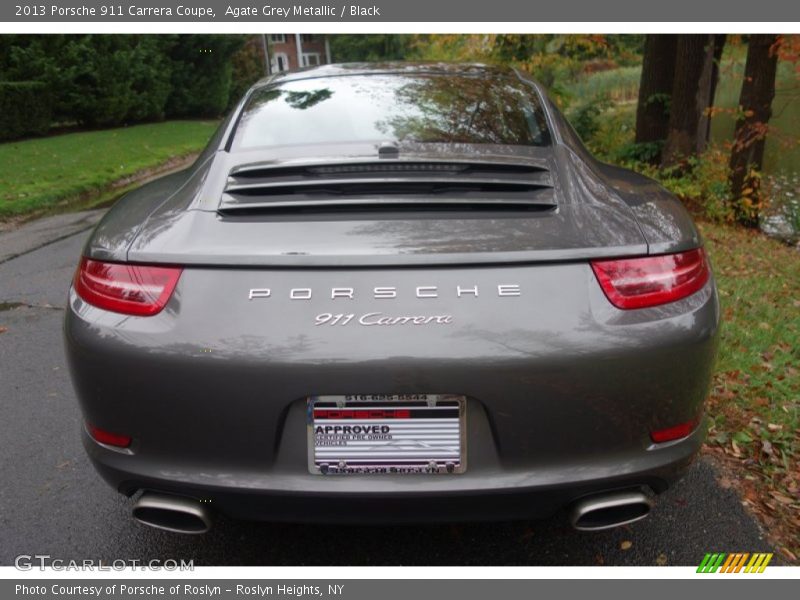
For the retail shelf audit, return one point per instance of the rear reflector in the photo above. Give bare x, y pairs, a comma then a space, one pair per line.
652, 280
673, 433
108, 438
141, 290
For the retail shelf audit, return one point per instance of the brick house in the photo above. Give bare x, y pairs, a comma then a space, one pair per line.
295, 50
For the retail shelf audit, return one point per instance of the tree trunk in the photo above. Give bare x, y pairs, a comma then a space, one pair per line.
689, 98
708, 87
755, 110
655, 89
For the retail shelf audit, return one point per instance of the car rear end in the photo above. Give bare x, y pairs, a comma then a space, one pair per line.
384, 332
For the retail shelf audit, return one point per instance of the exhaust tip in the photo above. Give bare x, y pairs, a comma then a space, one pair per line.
172, 513
610, 510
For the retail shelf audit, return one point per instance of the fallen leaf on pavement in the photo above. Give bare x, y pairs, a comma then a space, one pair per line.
766, 447
736, 451
781, 498
788, 554
626, 545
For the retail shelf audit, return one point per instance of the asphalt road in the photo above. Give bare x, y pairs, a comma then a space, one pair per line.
52, 502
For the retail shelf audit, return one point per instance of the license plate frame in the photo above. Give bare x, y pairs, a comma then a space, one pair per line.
432, 430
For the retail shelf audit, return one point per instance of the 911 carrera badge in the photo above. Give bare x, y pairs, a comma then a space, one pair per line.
380, 319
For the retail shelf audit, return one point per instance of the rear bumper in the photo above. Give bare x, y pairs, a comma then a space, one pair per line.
483, 496
562, 392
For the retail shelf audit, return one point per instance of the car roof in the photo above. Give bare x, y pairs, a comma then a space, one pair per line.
390, 68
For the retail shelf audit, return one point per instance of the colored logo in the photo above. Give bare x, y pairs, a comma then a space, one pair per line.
736, 562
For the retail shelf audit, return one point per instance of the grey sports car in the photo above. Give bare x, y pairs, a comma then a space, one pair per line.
393, 292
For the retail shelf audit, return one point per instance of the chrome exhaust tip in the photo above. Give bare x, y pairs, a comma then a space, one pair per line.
172, 513
606, 511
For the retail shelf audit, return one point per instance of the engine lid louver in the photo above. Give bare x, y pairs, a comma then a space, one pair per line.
387, 185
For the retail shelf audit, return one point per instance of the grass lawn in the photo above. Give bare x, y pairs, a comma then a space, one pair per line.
754, 403
40, 174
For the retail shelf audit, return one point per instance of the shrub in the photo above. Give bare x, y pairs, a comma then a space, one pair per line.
150, 73
586, 118
248, 67
646, 152
93, 81
25, 109
381, 47
109, 80
202, 74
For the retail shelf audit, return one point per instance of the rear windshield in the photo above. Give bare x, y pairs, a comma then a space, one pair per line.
418, 108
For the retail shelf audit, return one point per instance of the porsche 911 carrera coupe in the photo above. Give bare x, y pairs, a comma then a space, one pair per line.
393, 293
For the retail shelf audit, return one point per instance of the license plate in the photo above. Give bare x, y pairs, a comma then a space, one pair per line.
401, 434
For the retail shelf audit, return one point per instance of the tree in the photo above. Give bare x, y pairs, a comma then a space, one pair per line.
108, 80
655, 91
690, 98
369, 47
755, 110
711, 70
202, 74
92, 74
248, 67
149, 73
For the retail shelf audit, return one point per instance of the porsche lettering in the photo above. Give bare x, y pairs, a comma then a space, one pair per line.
503, 290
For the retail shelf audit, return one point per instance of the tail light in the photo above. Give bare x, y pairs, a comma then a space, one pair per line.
108, 438
675, 432
652, 280
141, 290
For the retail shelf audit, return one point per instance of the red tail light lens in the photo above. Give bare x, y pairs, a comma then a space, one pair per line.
673, 433
140, 290
108, 438
652, 280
